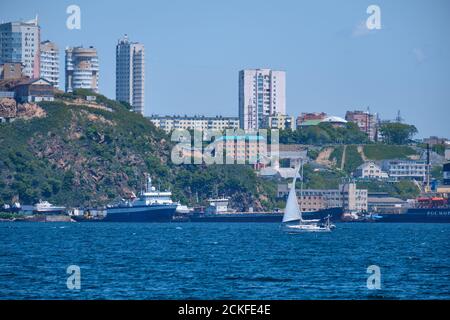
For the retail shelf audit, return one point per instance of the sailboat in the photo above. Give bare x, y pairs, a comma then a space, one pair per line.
293, 221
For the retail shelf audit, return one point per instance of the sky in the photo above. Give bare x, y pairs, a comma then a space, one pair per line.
195, 49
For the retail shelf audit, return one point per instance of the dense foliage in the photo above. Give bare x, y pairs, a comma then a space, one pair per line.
324, 133
397, 133
403, 189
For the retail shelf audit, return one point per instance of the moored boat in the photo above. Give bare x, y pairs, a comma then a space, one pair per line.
45, 207
151, 206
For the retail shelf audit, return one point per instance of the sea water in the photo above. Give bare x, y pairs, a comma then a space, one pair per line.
222, 261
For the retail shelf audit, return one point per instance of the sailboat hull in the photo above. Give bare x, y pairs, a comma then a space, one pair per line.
304, 228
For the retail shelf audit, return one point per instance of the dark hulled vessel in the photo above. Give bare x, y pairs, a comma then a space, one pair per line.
333, 213
427, 209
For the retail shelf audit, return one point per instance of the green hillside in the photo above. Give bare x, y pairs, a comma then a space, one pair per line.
386, 151
81, 155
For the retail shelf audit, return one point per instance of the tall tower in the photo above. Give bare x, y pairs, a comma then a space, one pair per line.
20, 43
262, 93
130, 73
82, 69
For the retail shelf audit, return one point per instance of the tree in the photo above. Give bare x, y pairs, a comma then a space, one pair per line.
397, 133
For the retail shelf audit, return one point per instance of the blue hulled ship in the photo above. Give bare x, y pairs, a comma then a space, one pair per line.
151, 206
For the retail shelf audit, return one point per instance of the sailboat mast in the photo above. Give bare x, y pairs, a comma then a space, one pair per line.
301, 189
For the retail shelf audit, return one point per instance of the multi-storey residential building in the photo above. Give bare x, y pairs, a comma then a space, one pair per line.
346, 196
130, 73
310, 117
370, 170
19, 43
262, 93
50, 62
82, 69
405, 169
219, 123
367, 122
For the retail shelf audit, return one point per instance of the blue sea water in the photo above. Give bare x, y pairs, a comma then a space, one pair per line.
223, 261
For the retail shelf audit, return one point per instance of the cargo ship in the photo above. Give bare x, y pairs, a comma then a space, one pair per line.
427, 209
333, 213
218, 212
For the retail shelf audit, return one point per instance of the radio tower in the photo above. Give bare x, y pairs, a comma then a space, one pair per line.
399, 119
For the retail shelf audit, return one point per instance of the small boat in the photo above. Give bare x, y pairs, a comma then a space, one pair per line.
293, 221
182, 209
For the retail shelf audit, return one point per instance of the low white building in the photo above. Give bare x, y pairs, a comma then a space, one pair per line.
405, 169
219, 123
370, 170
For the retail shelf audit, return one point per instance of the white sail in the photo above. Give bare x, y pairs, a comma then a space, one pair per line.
292, 211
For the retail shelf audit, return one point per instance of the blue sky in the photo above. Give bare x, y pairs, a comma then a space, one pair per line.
195, 48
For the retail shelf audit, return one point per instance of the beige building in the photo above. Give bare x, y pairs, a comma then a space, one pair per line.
250, 149
280, 121
367, 122
347, 196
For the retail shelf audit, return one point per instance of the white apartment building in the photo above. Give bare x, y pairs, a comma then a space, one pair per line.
20, 43
405, 169
219, 123
82, 69
370, 170
130, 73
262, 93
50, 62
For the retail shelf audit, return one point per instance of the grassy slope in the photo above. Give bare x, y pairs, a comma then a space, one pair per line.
380, 152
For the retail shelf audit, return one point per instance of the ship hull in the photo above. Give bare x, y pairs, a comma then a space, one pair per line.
418, 215
157, 213
335, 215
56, 211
